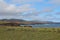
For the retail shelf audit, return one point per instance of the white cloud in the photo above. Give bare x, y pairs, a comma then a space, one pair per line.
47, 10
10, 9
25, 8
3, 5
13, 11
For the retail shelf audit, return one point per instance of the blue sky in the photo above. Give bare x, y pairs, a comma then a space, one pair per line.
42, 10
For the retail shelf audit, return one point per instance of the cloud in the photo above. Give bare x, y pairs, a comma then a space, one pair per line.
31, 14
57, 13
11, 9
25, 8
55, 2
39, 18
37, 13
47, 10
25, 1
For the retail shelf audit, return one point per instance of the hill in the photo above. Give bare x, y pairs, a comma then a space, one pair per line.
21, 21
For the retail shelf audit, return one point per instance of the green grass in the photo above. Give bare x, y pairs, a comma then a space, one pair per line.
18, 33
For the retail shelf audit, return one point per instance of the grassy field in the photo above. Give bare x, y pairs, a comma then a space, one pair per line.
17, 33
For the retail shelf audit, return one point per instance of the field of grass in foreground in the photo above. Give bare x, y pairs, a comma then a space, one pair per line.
16, 33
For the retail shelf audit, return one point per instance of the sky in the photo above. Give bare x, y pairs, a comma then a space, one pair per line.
42, 10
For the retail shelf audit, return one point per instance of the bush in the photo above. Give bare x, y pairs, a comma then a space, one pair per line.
58, 30
10, 29
53, 29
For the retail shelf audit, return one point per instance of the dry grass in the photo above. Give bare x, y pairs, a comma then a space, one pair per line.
19, 33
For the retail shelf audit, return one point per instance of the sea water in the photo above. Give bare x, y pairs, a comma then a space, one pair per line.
45, 25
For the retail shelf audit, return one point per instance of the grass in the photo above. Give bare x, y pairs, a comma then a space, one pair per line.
18, 33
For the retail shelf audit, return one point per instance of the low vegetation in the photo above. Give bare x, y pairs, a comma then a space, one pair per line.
18, 33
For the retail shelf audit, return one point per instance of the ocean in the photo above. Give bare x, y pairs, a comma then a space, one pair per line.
46, 25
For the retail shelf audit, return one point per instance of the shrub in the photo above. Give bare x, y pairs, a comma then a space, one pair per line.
58, 30
10, 29
53, 29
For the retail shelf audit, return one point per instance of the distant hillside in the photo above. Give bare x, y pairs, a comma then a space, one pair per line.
13, 20
21, 21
